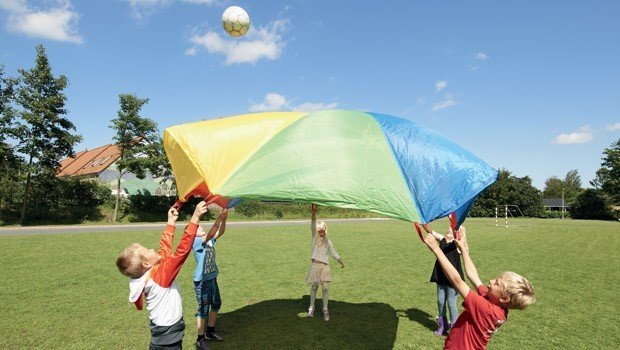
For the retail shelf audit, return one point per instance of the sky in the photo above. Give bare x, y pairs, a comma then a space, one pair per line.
529, 86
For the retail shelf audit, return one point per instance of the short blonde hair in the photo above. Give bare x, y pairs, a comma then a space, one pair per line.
129, 262
518, 289
321, 226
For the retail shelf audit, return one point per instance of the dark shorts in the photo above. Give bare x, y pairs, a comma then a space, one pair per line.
208, 297
167, 337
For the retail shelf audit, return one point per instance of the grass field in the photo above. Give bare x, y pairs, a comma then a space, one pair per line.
64, 292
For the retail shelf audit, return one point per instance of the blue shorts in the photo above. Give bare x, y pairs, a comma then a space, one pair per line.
208, 297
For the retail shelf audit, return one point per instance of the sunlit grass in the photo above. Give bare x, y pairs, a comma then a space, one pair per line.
64, 292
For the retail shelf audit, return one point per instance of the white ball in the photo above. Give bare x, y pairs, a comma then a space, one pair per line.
235, 21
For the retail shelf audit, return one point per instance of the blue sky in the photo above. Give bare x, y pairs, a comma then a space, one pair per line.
530, 86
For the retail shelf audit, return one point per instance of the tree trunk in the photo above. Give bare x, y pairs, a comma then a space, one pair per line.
22, 217
118, 194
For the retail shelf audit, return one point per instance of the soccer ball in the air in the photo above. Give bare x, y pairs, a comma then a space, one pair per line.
236, 21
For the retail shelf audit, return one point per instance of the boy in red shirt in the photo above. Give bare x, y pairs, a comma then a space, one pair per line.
486, 310
153, 277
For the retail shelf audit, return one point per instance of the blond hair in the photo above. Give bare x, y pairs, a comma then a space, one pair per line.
321, 226
518, 289
129, 262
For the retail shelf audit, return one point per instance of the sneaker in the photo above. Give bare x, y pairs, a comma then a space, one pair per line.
202, 344
310, 312
326, 315
213, 336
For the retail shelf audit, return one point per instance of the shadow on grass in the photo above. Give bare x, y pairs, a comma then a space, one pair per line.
282, 324
422, 317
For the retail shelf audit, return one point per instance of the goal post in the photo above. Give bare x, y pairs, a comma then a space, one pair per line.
507, 210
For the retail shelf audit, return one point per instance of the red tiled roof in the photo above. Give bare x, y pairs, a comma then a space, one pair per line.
89, 162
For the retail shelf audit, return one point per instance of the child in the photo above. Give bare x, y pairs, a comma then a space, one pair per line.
446, 294
486, 310
205, 281
153, 274
319, 272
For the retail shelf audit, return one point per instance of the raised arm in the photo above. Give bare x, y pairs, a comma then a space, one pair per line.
222, 226
447, 266
470, 269
313, 220
170, 267
165, 244
435, 234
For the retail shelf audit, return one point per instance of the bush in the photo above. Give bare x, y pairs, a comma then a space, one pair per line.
554, 214
249, 208
591, 205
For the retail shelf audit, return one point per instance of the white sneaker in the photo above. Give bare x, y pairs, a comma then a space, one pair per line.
326, 315
310, 312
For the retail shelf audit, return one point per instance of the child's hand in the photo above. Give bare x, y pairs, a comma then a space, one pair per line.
201, 209
173, 215
427, 228
462, 243
341, 263
430, 241
314, 208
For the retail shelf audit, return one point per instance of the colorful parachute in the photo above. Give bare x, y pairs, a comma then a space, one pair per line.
340, 158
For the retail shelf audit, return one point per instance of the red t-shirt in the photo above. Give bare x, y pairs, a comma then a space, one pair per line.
477, 323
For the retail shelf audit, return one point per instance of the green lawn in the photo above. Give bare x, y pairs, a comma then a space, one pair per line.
64, 292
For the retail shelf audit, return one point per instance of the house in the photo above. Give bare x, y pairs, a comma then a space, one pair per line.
554, 204
99, 164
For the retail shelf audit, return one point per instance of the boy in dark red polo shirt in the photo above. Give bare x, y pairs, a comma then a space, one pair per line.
486, 310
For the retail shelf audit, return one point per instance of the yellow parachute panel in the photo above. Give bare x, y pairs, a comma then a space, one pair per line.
202, 152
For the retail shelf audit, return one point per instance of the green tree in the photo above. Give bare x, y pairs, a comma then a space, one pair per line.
138, 142
44, 136
510, 190
571, 186
10, 162
608, 176
590, 205
553, 188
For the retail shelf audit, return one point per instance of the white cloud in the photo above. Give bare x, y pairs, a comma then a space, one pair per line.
56, 23
481, 56
14, 5
440, 85
141, 9
277, 102
448, 102
584, 134
263, 42
272, 102
613, 127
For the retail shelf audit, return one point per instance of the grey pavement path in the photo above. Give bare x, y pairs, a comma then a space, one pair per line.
54, 229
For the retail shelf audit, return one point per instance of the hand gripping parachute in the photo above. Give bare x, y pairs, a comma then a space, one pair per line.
347, 159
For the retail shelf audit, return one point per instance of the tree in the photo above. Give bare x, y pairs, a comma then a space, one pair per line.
138, 142
7, 116
590, 205
44, 136
553, 188
511, 190
571, 186
608, 176
10, 162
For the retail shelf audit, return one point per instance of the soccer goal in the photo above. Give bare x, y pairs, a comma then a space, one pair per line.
510, 213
